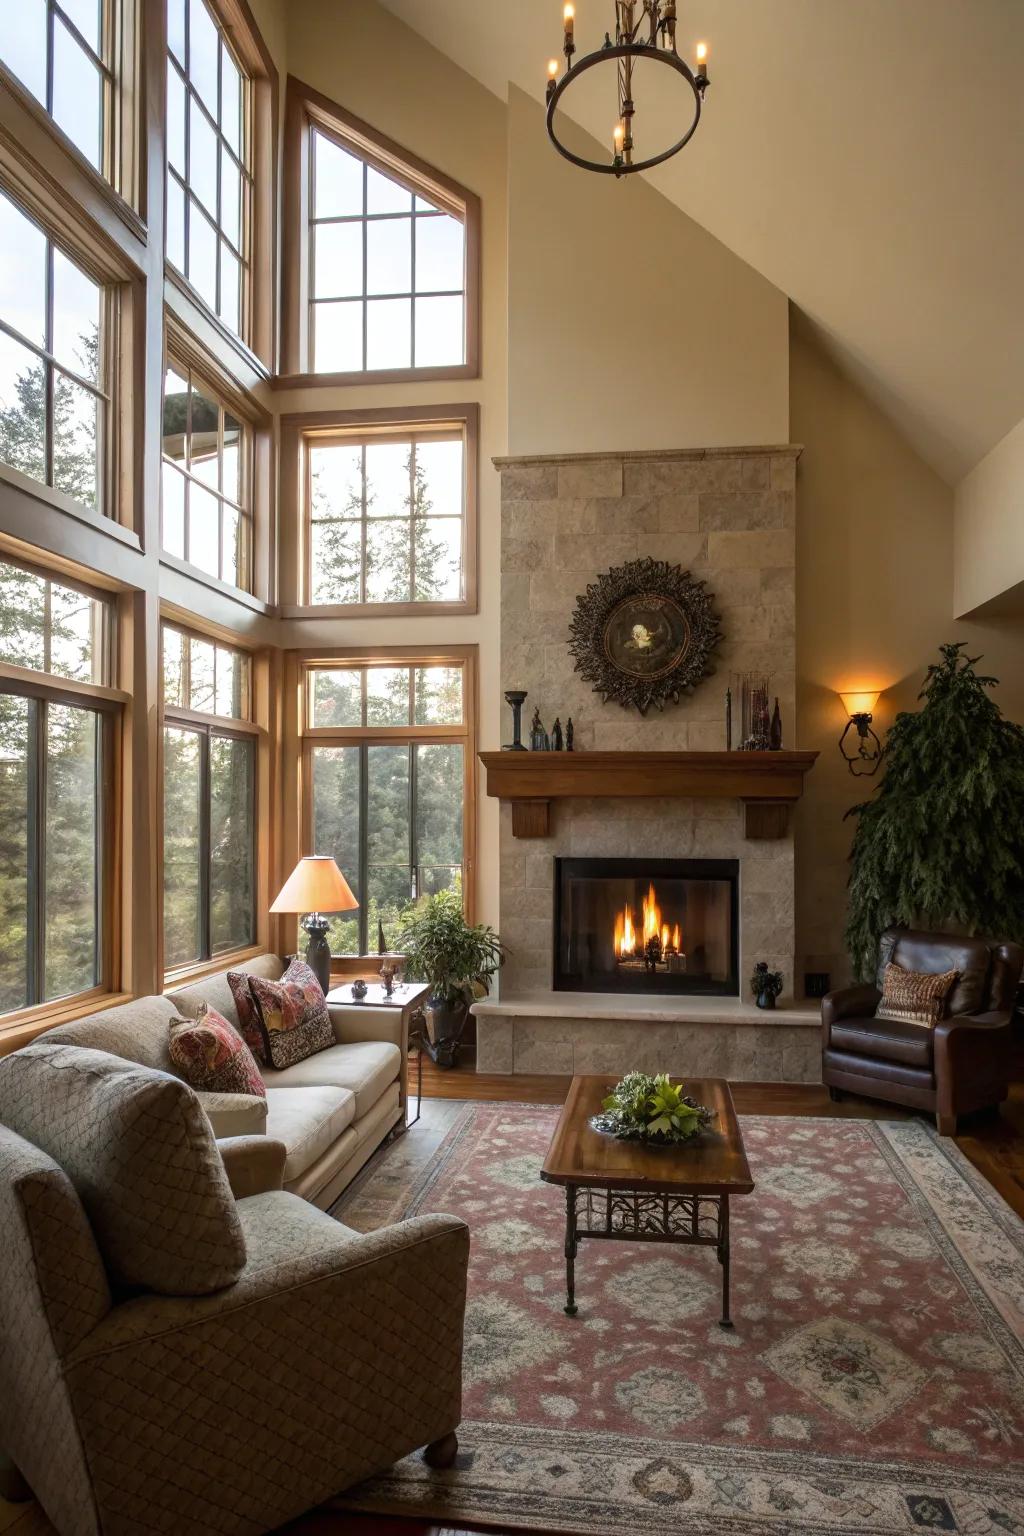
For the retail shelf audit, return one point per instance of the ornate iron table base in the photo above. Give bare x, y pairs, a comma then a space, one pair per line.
629, 1216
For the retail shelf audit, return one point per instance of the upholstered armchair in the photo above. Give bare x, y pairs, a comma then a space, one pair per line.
959, 1065
174, 1358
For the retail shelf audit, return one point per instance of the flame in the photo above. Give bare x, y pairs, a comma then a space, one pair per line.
625, 933
627, 940
652, 915
677, 940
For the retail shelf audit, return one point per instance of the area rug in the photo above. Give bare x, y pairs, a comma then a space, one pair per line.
874, 1381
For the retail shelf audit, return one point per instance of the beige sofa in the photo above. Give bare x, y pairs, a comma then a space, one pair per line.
331, 1111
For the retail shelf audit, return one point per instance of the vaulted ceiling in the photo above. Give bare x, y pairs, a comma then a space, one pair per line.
866, 156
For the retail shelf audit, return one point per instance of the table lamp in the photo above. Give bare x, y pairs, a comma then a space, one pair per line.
315, 886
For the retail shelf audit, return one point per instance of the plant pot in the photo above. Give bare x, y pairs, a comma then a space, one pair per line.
766, 1000
444, 1023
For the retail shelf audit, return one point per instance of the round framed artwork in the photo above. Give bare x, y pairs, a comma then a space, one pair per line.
644, 633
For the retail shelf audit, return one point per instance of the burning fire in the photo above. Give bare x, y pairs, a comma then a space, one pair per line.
651, 927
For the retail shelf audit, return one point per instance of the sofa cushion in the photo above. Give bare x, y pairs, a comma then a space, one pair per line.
248, 1014
293, 1016
140, 1153
135, 1031
234, 1114
216, 991
365, 1069
916, 997
308, 1121
884, 1040
211, 1054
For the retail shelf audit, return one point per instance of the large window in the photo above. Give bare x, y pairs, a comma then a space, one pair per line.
56, 767
209, 800
390, 768
209, 162
207, 480
54, 405
61, 51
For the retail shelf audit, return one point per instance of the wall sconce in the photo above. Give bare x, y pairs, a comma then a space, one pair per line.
859, 705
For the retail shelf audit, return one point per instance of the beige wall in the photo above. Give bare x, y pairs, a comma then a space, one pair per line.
988, 538
631, 327
874, 599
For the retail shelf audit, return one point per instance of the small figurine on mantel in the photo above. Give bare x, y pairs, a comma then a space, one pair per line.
775, 734
556, 735
539, 739
569, 735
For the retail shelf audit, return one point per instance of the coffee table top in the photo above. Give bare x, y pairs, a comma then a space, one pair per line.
715, 1163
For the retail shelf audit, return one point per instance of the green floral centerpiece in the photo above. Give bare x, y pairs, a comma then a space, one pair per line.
653, 1109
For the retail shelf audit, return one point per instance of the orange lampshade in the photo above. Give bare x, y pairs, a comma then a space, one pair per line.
860, 701
316, 884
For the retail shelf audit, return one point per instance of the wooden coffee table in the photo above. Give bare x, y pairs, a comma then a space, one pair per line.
625, 1190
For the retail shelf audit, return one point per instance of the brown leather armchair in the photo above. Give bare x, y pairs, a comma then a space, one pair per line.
962, 1064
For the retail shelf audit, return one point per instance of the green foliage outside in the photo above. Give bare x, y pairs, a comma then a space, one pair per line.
940, 844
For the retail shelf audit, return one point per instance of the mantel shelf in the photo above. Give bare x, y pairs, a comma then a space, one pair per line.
766, 782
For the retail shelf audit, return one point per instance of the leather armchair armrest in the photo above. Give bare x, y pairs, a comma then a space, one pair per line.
857, 1002
253, 1164
972, 1060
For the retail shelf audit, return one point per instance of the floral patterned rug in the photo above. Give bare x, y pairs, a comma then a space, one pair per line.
874, 1381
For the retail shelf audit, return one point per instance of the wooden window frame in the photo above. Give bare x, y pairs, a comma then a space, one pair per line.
304, 738
237, 25
308, 109
298, 431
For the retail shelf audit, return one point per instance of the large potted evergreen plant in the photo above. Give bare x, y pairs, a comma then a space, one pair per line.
940, 844
456, 959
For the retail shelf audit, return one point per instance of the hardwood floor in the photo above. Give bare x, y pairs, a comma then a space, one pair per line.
993, 1142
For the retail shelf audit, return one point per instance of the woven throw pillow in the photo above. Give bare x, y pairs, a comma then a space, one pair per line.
210, 1054
293, 1015
248, 1016
139, 1150
914, 997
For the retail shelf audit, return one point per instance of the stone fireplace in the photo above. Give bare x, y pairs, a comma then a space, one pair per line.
727, 516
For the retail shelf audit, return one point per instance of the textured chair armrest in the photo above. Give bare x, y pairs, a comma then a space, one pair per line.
253, 1164
353, 1025
234, 1114
855, 1002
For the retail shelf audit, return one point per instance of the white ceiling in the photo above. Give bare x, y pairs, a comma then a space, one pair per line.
866, 156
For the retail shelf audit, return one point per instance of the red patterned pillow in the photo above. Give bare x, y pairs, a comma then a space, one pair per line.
248, 1017
293, 1015
210, 1054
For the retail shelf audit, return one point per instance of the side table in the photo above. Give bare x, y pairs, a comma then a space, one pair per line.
406, 998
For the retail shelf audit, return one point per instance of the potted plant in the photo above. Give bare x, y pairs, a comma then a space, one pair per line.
456, 959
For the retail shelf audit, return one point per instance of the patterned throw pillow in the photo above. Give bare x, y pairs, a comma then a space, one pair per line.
914, 997
211, 1055
248, 1017
293, 1015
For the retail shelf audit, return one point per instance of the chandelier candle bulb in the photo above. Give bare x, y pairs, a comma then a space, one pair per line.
569, 15
702, 60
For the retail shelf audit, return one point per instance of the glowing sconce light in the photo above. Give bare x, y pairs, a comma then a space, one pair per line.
859, 704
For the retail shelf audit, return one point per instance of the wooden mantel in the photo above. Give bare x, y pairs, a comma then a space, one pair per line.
767, 782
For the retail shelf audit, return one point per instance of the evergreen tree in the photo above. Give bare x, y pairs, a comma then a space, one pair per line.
941, 842
23, 427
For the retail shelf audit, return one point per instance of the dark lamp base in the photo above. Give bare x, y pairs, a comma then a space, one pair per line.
318, 950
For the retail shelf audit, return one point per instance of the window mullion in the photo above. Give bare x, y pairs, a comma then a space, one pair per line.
413, 828
34, 856
364, 862
204, 844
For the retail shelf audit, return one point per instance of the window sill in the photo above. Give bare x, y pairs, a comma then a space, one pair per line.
59, 502
175, 980
283, 381
375, 610
240, 348
237, 594
17, 1029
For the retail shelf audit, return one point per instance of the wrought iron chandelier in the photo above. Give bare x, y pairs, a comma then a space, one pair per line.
644, 30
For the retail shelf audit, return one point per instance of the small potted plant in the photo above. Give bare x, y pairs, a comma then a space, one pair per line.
765, 985
456, 959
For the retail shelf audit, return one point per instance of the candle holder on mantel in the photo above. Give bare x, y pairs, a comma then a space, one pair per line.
516, 697
751, 691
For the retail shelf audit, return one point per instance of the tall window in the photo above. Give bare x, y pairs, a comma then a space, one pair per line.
209, 800
387, 517
61, 51
54, 406
56, 751
209, 162
207, 480
390, 765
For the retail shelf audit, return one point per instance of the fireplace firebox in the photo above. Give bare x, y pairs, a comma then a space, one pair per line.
647, 925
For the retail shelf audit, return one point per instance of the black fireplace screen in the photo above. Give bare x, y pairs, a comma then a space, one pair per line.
646, 925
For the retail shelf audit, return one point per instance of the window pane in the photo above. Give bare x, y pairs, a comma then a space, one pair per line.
230, 101
440, 258
438, 695
77, 417
22, 408
203, 45
337, 178
232, 815
388, 337
182, 936
50, 627
176, 29
175, 419
202, 255
75, 636
387, 806
440, 475
387, 696
202, 158
23, 47
389, 894
338, 337
337, 696
438, 548
231, 458
439, 785
70, 876
439, 332
336, 480
232, 564
174, 646
389, 256
22, 273
230, 288
76, 319
85, 15
384, 195
23, 606
77, 94
14, 852
175, 224
232, 682
337, 557
336, 825
337, 260
388, 561
202, 675
230, 198
387, 479
176, 109
173, 511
